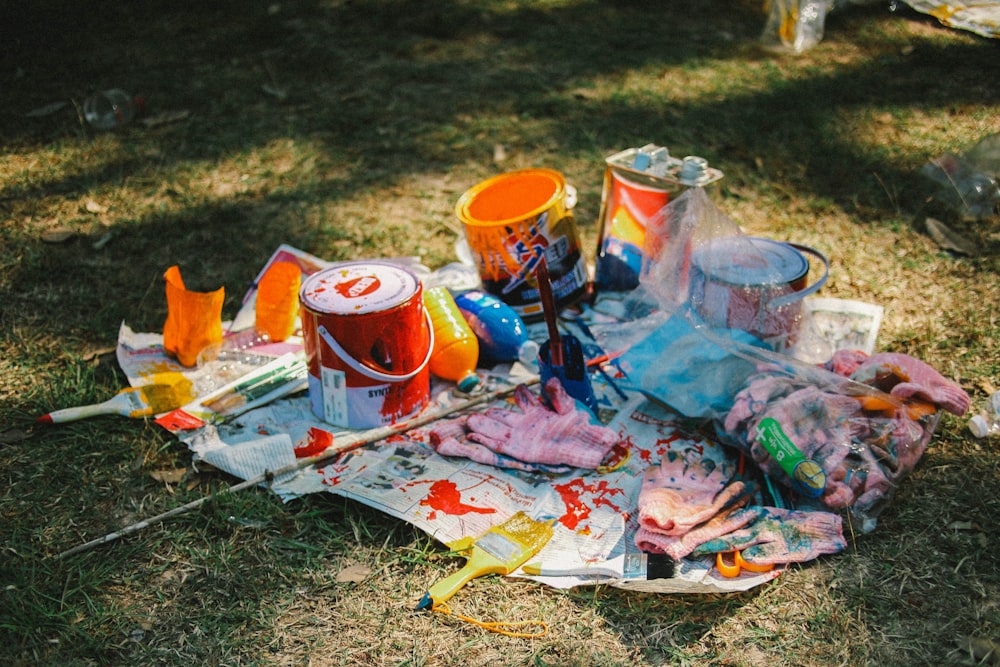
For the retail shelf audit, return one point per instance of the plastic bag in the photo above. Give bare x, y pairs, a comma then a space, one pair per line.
696, 255
967, 184
840, 435
794, 26
194, 319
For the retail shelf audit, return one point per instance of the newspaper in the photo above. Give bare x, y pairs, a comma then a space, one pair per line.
981, 17
593, 512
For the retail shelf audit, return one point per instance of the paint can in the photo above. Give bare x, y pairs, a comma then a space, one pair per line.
638, 183
754, 284
368, 342
510, 220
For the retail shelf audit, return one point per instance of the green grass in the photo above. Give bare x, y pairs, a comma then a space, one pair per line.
388, 111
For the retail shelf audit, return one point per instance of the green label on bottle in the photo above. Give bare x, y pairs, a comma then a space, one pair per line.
807, 476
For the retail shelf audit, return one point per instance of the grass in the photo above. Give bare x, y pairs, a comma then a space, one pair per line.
349, 129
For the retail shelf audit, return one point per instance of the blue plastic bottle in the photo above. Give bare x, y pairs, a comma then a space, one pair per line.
501, 331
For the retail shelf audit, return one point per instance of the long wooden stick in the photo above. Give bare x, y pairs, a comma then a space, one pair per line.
357, 441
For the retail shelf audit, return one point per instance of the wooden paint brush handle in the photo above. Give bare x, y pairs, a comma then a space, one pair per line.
128, 402
549, 311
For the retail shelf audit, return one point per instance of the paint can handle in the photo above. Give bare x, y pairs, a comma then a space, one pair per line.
812, 289
370, 372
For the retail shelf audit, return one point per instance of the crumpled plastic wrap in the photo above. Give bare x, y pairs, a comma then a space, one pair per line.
194, 319
865, 421
848, 430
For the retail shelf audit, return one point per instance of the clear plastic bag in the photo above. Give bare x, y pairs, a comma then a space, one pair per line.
968, 183
795, 26
839, 436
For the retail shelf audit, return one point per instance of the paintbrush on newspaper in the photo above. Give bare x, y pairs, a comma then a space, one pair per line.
257, 386
135, 402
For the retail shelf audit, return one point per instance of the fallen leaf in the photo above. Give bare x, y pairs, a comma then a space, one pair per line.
353, 574
58, 235
12, 435
949, 239
983, 651
93, 207
168, 476
165, 118
46, 110
99, 352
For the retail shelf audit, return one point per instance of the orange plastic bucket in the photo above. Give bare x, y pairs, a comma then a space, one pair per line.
510, 221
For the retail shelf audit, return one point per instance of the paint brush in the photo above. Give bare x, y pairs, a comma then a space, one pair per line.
500, 550
549, 311
257, 387
561, 356
142, 401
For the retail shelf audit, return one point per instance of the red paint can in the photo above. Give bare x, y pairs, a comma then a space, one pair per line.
368, 342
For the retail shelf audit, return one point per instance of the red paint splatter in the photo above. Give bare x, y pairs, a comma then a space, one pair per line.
331, 472
577, 494
315, 442
445, 497
619, 453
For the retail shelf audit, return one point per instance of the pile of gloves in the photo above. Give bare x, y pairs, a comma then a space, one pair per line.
536, 438
865, 444
697, 509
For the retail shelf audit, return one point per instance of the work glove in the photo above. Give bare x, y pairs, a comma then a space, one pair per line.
448, 439
910, 379
679, 546
677, 496
564, 435
781, 536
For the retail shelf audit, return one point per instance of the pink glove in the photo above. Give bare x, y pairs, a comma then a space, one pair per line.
906, 377
676, 497
782, 536
565, 436
480, 454
677, 547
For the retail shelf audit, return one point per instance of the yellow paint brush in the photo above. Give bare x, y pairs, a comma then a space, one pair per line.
143, 401
500, 550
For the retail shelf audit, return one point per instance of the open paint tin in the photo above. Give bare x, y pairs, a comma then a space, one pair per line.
754, 284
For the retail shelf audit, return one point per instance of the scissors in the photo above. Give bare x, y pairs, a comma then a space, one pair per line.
733, 569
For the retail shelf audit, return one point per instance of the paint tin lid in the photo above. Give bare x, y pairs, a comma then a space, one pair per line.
749, 261
357, 288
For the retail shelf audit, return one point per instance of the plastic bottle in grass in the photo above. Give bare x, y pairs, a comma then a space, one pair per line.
501, 331
987, 423
456, 348
110, 109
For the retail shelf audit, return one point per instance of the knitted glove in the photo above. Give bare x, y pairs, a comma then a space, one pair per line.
677, 547
676, 497
546, 439
536, 434
908, 378
484, 455
782, 536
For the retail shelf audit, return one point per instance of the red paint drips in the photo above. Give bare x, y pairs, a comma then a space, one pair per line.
444, 496
577, 494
